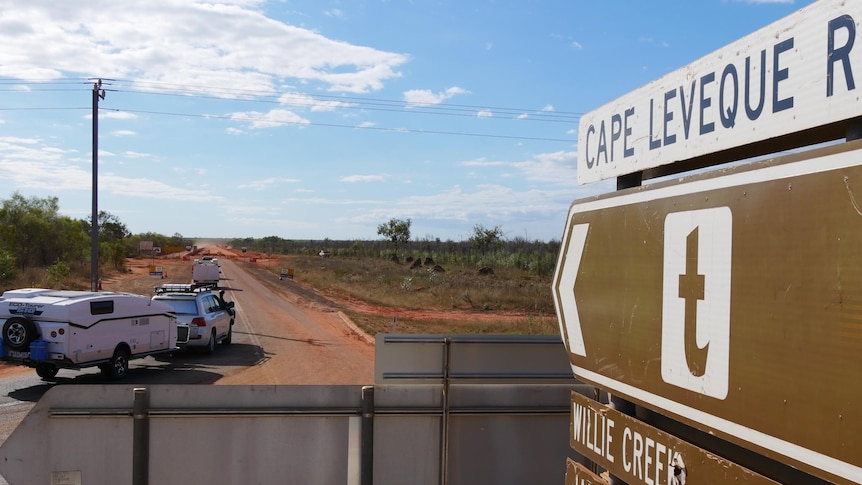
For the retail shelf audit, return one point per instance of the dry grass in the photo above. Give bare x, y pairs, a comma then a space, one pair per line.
78, 279
422, 300
393, 284
373, 324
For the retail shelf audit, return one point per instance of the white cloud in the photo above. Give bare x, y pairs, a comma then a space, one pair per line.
266, 183
152, 189
251, 209
117, 115
481, 162
312, 103
28, 165
273, 118
362, 178
555, 168
131, 154
485, 113
494, 202
426, 97
199, 172
175, 43
123, 133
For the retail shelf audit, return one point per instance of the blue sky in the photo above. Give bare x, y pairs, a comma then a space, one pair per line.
313, 119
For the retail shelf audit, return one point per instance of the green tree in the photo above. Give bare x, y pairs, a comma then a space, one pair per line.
111, 230
397, 231
177, 240
485, 239
33, 230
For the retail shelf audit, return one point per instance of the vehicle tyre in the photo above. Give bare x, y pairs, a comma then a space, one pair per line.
47, 371
18, 332
210, 348
118, 367
229, 339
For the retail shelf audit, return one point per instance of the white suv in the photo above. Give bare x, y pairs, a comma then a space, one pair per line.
204, 317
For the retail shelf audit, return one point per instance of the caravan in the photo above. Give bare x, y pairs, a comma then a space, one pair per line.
54, 329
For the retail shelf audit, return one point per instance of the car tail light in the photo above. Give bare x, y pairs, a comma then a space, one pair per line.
199, 321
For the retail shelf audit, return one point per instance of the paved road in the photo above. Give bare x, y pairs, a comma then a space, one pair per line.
279, 338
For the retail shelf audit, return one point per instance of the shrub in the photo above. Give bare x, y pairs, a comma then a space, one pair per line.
8, 266
58, 271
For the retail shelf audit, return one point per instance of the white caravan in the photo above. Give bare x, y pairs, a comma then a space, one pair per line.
53, 329
206, 271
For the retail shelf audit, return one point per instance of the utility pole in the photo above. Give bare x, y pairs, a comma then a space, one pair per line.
98, 93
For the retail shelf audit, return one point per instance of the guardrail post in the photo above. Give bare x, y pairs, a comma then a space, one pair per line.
367, 437
141, 437
444, 433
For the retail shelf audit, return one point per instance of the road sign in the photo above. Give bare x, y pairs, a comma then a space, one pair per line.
577, 474
793, 75
729, 301
643, 455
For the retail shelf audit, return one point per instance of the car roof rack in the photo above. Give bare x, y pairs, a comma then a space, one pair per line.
185, 288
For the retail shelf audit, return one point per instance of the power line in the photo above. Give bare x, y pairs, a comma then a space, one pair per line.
444, 111
334, 125
55, 108
201, 91
302, 100
191, 90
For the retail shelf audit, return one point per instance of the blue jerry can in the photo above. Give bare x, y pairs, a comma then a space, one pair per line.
39, 350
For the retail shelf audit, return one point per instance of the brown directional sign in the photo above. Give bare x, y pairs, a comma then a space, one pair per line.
577, 474
730, 301
641, 454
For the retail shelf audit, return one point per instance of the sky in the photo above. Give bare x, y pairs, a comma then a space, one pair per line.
315, 119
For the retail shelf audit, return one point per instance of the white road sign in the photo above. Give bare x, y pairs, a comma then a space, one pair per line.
795, 74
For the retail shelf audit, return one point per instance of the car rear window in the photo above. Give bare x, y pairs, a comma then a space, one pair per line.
186, 307
210, 304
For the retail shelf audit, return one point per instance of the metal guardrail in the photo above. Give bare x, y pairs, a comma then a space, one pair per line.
475, 359
467, 424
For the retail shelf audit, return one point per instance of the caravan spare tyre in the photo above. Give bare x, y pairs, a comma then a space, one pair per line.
18, 332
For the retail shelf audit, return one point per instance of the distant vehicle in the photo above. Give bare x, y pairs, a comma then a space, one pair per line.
203, 316
206, 271
324, 254
51, 330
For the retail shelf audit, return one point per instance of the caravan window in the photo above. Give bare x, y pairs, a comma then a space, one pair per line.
101, 307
